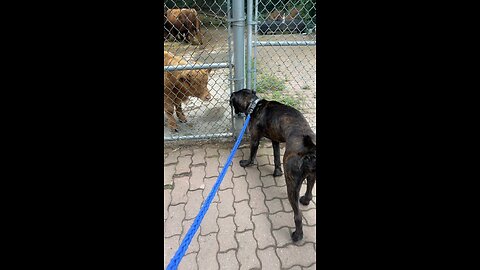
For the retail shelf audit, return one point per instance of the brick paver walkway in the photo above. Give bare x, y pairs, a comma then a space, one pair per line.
249, 222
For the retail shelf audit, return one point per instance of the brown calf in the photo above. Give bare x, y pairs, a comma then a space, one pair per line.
184, 22
179, 85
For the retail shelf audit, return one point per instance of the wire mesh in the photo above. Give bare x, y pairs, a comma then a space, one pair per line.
282, 68
284, 60
196, 34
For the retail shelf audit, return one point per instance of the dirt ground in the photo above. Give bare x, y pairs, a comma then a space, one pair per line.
295, 64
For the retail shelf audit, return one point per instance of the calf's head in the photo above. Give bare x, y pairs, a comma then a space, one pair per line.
194, 83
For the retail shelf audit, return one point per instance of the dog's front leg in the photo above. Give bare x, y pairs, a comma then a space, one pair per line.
276, 158
254, 142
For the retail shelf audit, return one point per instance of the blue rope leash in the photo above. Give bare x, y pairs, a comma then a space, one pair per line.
175, 261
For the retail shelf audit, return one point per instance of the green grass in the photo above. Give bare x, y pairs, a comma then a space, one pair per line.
273, 88
269, 83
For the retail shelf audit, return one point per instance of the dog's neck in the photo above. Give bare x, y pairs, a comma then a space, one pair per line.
252, 105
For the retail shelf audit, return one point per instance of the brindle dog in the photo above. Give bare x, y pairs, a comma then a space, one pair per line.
282, 123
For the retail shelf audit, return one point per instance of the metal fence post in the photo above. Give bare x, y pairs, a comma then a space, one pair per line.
249, 42
238, 29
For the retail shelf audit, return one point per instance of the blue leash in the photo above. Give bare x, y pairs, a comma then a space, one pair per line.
175, 261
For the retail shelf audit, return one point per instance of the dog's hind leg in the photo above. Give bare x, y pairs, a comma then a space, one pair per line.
311, 178
254, 142
293, 190
276, 158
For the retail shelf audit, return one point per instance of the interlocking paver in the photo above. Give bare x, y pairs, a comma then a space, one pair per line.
223, 155
209, 183
170, 246
267, 181
211, 152
195, 200
239, 154
237, 169
282, 236
168, 172
198, 156
189, 262
282, 219
186, 151
212, 167
209, 222
269, 258
228, 260
167, 198
179, 192
274, 206
250, 221
312, 267
196, 179
296, 267
253, 177
257, 201
266, 170
172, 157
264, 151
296, 255
310, 216
240, 189
280, 180
275, 192
243, 216
226, 231
262, 160
263, 231
246, 251
227, 179
183, 166
225, 206
173, 225
309, 233
206, 257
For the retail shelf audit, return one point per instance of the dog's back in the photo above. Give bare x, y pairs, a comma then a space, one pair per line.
280, 122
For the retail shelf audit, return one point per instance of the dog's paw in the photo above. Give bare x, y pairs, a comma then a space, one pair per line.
182, 120
174, 130
245, 163
304, 200
277, 172
297, 236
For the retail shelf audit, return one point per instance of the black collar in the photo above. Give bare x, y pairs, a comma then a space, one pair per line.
252, 105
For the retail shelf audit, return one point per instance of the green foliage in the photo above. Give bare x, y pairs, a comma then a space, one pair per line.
269, 83
273, 88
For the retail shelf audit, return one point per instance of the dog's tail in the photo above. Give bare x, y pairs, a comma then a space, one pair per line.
309, 160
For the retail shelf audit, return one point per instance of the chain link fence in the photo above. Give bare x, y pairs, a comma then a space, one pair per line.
203, 44
284, 57
197, 34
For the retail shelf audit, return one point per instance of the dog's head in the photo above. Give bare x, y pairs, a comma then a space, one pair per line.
241, 99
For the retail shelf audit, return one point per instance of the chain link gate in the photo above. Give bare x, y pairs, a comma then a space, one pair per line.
198, 32
282, 66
